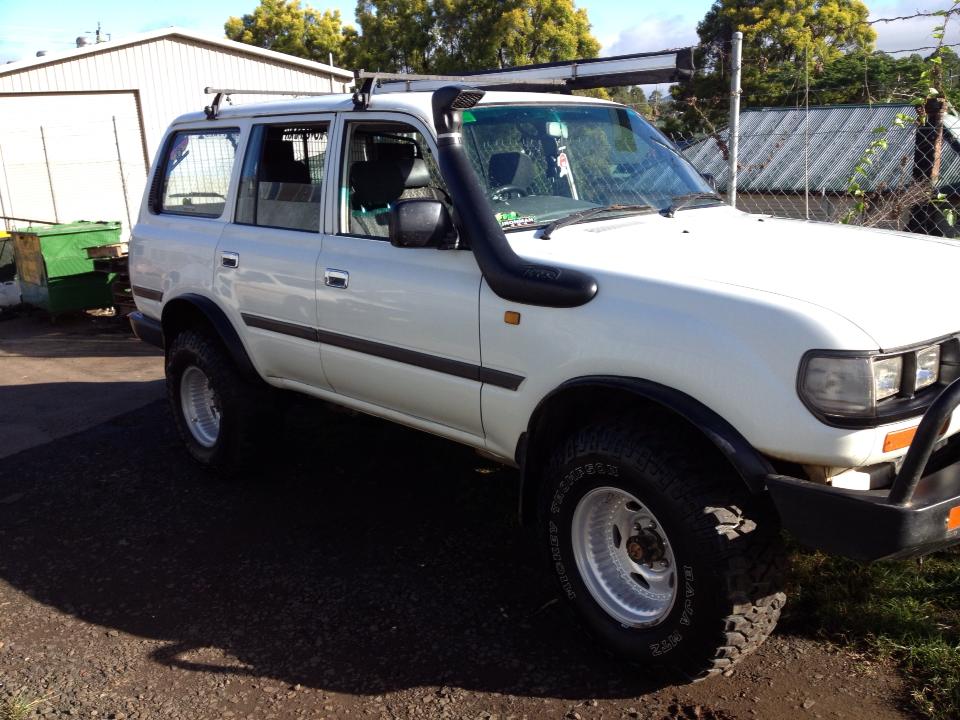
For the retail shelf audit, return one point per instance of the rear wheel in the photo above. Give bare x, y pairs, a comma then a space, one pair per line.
660, 553
219, 415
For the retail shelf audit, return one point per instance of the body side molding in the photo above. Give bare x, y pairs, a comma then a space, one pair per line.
458, 368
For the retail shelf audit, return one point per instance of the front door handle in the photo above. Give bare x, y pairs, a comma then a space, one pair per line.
336, 278
230, 259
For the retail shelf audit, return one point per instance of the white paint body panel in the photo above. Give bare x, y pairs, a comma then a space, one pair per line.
715, 303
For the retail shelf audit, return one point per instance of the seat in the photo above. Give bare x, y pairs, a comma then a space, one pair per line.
279, 164
512, 169
377, 184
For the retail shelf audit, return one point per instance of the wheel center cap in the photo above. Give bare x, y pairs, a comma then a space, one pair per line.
645, 547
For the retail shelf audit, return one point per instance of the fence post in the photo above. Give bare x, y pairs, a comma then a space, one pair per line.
734, 145
123, 179
46, 160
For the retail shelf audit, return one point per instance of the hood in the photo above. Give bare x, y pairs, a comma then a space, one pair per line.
899, 288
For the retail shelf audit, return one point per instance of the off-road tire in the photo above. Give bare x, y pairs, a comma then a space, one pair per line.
245, 406
729, 555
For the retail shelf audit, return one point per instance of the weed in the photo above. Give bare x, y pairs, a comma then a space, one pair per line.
907, 610
18, 707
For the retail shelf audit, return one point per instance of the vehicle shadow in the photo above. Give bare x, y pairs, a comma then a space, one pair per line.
361, 557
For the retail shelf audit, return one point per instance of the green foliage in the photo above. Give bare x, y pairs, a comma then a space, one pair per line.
285, 26
784, 41
854, 188
424, 35
902, 610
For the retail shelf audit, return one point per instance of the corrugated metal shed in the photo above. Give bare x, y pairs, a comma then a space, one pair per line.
169, 68
776, 144
79, 128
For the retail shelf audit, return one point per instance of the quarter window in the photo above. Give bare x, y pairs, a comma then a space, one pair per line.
196, 173
281, 184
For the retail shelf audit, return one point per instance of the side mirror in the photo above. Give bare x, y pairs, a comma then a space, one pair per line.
711, 181
421, 223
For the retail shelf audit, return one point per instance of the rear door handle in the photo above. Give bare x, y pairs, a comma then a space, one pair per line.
230, 259
336, 278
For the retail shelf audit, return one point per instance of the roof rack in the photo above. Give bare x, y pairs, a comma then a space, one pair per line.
565, 76
213, 109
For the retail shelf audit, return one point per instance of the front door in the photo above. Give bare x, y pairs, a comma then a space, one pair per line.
399, 327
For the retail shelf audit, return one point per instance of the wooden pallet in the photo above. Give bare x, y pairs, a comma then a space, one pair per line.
107, 251
122, 296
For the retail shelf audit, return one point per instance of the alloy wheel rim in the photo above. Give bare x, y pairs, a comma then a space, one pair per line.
200, 405
624, 557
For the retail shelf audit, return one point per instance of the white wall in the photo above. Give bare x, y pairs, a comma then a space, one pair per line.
84, 180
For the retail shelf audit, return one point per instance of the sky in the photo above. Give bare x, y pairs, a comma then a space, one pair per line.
27, 26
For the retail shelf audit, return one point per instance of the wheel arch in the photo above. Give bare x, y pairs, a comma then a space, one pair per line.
581, 400
197, 311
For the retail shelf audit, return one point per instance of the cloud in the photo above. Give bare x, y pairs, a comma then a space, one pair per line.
652, 34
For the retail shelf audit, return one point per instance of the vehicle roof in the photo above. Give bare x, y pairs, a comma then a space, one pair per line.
415, 103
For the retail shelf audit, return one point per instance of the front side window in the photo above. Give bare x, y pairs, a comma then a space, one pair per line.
196, 173
539, 163
281, 184
383, 164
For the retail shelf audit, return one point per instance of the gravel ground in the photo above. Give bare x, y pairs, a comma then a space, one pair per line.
367, 571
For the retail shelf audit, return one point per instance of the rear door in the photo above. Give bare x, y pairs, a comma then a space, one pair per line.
267, 257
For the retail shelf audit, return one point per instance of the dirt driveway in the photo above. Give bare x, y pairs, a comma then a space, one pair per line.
368, 571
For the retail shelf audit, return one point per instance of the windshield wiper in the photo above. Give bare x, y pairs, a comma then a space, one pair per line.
679, 202
581, 215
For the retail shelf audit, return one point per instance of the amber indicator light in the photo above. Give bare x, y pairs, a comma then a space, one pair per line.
953, 520
902, 438
899, 439
511, 317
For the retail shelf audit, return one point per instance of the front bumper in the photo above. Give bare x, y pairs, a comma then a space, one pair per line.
912, 517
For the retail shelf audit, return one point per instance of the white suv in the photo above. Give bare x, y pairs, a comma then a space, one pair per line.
546, 279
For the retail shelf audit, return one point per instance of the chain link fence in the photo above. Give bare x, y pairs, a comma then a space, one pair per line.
62, 171
871, 165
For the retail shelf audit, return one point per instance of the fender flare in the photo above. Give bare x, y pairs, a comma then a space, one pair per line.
750, 465
218, 320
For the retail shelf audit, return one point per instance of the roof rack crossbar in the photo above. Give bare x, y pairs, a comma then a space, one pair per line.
213, 109
567, 75
477, 80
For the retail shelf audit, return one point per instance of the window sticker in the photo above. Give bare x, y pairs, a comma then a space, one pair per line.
509, 220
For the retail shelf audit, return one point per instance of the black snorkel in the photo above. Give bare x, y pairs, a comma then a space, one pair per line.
508, 275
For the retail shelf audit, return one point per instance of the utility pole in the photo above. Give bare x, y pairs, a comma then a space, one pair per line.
734, 139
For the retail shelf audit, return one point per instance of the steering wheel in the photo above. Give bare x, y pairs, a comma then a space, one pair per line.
499, 192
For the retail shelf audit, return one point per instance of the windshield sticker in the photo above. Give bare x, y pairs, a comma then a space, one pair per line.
563, 163
509, 220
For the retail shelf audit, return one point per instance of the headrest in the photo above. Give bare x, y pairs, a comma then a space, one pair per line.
510, 168
378, 182
276, 149
395, 150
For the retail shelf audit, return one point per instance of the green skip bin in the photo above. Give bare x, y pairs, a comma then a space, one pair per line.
54, 270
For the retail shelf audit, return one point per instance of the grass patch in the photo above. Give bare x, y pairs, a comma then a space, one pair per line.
902, 610
18, 707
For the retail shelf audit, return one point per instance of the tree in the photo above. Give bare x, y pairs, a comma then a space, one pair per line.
285, 26
784, 42
396, 35
424, 36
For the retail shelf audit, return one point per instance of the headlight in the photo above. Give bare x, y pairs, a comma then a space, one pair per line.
850, 385
867, 386
928, 366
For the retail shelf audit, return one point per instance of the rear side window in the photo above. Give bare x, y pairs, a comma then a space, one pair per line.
281, 185
196, 174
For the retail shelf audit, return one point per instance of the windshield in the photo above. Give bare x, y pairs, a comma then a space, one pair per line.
540, 163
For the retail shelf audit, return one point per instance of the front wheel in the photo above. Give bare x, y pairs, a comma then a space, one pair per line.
659, 553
